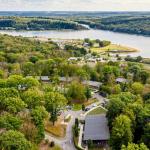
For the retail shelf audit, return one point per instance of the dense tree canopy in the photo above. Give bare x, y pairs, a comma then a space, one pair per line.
121, 132
14, 140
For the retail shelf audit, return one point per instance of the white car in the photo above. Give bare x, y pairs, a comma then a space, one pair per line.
94, 105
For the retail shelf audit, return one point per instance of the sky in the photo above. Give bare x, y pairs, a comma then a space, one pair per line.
75, 5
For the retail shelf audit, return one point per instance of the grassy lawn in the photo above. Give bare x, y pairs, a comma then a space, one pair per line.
58, 130
77, 107
97, 111
113, 47
89, 102
146, 67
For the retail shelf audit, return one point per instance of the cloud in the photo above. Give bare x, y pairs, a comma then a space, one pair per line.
95, 5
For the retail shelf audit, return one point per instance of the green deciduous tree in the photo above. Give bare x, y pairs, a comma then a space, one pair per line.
38, 115
33, 98
14, 105
7, 93
88, 93
121, 132
82, 74
14, 81
115, 108
135, 69
116, 89
137, 88
132, 146
14, 140
76, 91
1, 73
54, 102
10, 122
144, 76
146, 135
31, 82
28, 68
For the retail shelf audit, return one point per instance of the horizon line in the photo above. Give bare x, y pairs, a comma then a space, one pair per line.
74, 11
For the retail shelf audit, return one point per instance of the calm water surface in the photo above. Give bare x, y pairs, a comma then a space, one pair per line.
139, 42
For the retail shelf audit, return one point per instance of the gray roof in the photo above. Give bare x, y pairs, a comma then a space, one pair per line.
69, 79
43, 78
92, 83
121, 80
96, 128
65, 79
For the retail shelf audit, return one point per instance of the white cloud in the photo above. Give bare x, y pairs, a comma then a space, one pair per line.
84, 5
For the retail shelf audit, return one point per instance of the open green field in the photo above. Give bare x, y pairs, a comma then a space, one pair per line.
97, 111
113, 48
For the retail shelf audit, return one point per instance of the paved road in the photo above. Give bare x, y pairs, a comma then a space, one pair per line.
67, 142
98, 97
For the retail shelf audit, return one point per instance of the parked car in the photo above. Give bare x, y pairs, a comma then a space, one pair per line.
94, 105
87, 109
96, 91
59, 113
68, 107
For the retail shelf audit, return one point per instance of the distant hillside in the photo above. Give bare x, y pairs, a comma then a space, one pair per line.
69, 13
30, 23
124, 23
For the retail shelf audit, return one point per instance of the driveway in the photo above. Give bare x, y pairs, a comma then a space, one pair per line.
67, 142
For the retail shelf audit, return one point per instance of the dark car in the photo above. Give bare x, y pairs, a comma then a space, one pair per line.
87, 109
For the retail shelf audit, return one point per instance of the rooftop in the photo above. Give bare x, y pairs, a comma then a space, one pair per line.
121, 80
92, 83
96, 128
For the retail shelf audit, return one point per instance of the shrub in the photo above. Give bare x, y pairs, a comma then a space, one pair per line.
52, 144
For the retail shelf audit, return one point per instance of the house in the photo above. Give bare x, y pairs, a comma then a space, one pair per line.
92, 60
40, 78
43, 78
73, 59
121, 80
92, 84
96, 129
86, 44
65, 79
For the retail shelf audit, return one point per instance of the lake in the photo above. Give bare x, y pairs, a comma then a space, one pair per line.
139, 42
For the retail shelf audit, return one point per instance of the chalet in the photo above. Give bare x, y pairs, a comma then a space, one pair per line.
96, 129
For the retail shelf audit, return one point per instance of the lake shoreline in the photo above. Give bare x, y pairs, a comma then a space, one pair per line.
75, 30
138, 42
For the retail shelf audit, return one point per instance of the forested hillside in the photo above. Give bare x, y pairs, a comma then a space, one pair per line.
29, 105
22, 23
126, 24
131, 24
